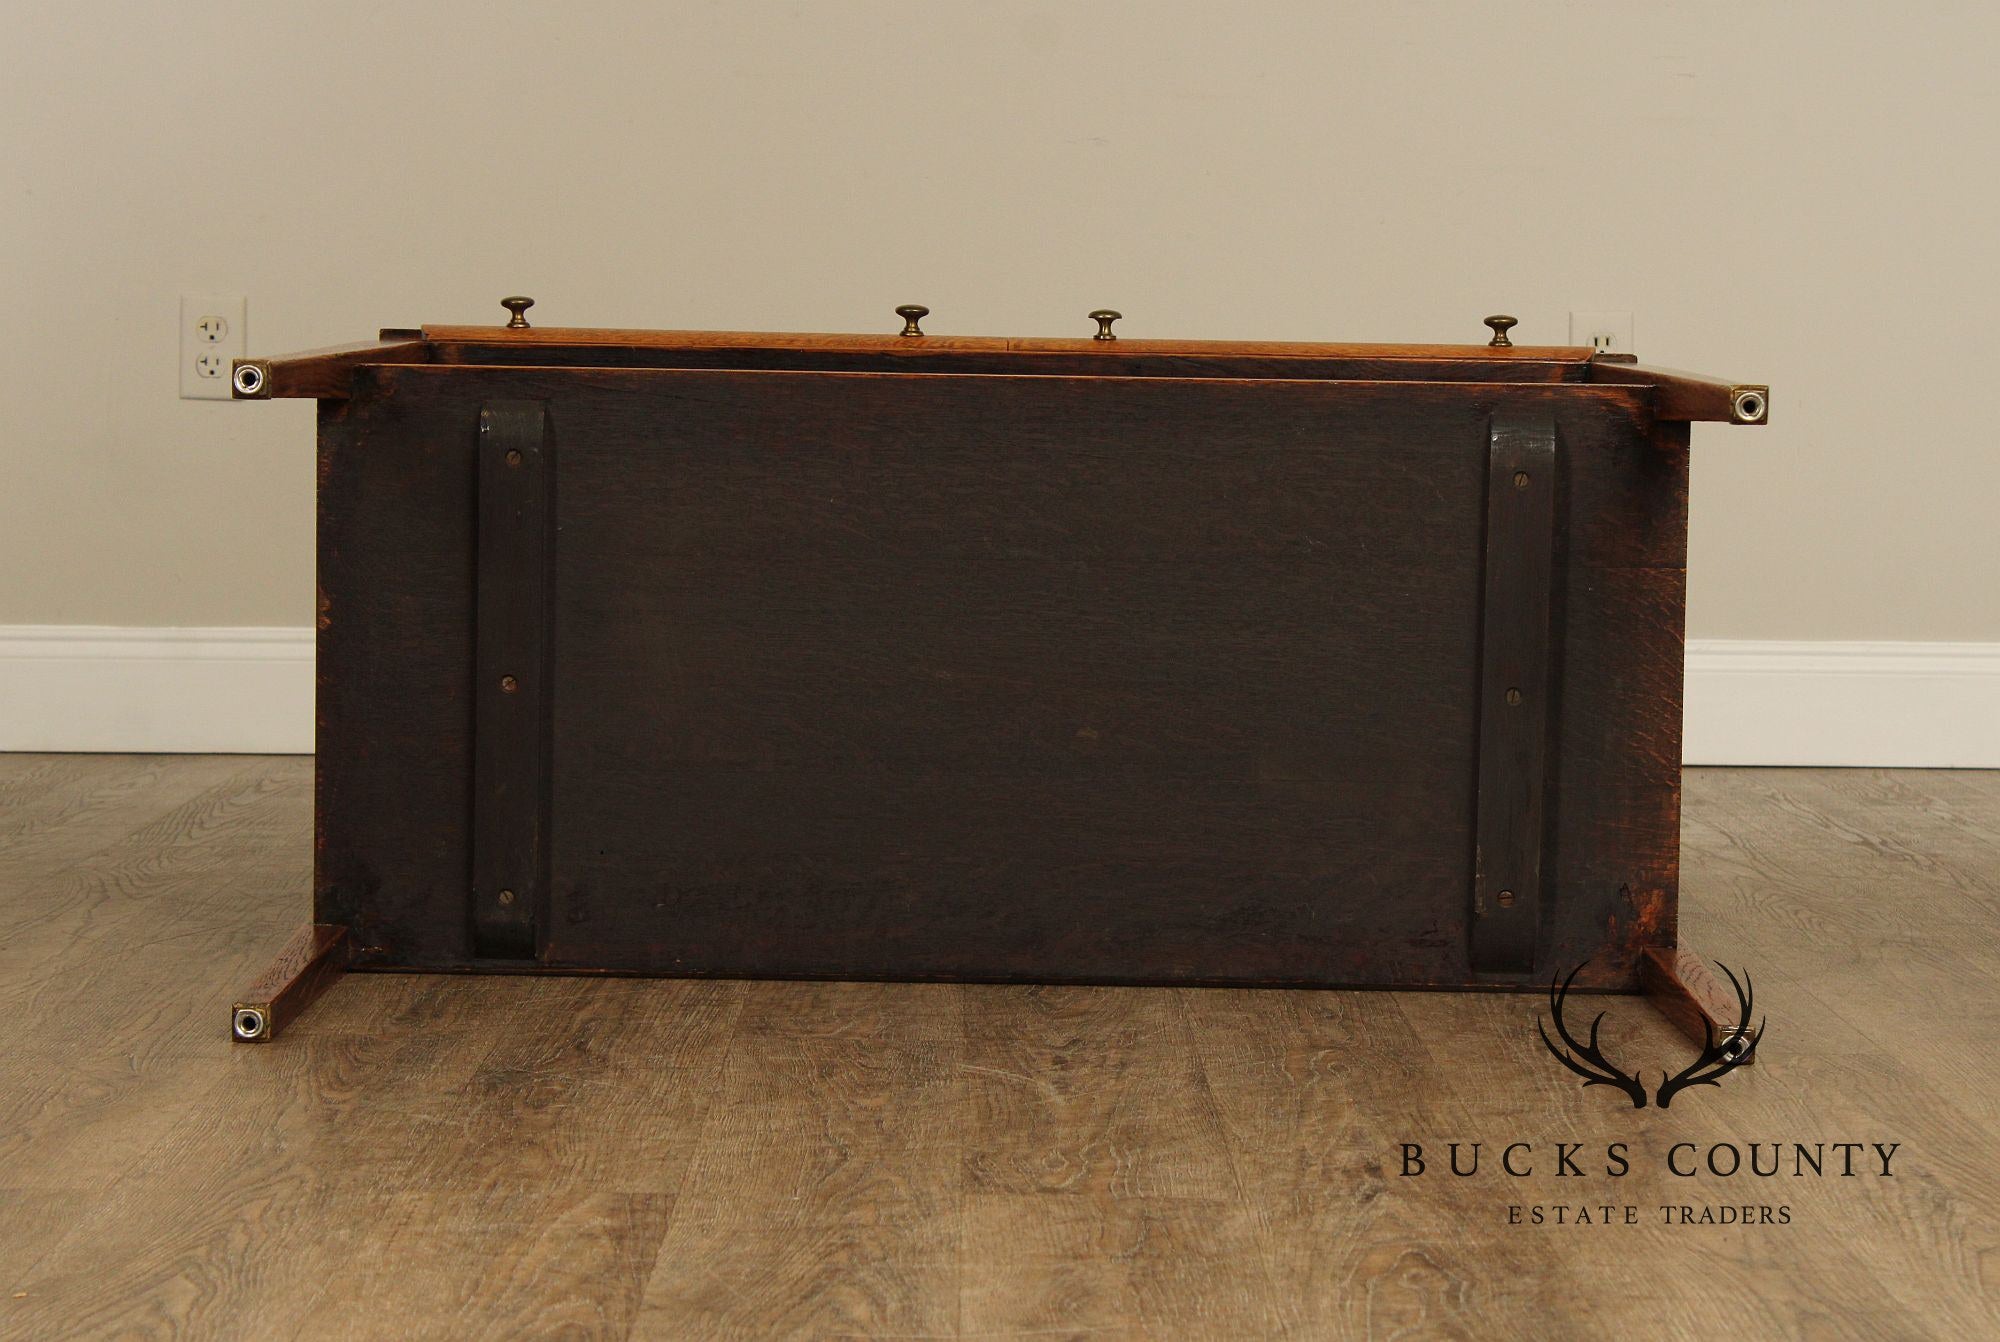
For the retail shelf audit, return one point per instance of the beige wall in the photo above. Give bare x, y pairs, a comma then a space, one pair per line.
1792, 193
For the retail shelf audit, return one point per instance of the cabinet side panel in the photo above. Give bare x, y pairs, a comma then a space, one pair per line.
1614, 791
395, 615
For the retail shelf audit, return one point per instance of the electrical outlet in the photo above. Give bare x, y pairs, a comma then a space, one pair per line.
1606, 332
212, 335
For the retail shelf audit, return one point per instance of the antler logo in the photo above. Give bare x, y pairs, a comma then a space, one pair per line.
1587, 1060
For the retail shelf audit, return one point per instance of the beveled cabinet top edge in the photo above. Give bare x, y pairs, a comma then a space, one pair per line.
937, 344
537, 380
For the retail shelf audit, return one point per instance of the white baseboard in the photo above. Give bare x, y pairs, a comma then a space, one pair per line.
95, 688
141, 690
1911, 705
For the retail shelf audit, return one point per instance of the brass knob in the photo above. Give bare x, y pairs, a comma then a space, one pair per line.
1501, 324
519, 307
1104, 317
910, 312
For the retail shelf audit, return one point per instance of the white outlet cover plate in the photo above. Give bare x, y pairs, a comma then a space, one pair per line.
1608, 332
212, 334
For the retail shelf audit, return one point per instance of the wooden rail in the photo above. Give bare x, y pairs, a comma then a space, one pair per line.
329, 373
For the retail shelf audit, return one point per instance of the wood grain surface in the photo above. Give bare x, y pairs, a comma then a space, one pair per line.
305, 967
1113, 680
485, 338
1687, 396
446, 1157
327, 372
1057, 358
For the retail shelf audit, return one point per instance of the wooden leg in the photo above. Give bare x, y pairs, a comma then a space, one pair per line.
311, 961
1688, 993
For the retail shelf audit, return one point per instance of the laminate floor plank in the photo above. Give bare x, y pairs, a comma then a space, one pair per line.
223, 824
222, 1226
1898, 925
1720, 1281
427, 1156
55, 817
62, 803
106, 954
822, 1198
1090, 1090
1319, 1091
40, 795
1913, 873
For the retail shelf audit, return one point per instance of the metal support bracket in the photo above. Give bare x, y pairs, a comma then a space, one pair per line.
1514, 690
510, 818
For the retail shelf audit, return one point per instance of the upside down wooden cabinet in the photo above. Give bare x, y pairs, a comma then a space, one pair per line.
909, 657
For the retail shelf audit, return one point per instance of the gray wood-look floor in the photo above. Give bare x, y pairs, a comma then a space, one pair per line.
496, 1158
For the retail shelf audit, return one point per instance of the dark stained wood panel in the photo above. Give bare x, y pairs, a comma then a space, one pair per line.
904, 875
1077, 714
1053, 358
1108, 669
981, 676
393, 814
1615, 783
